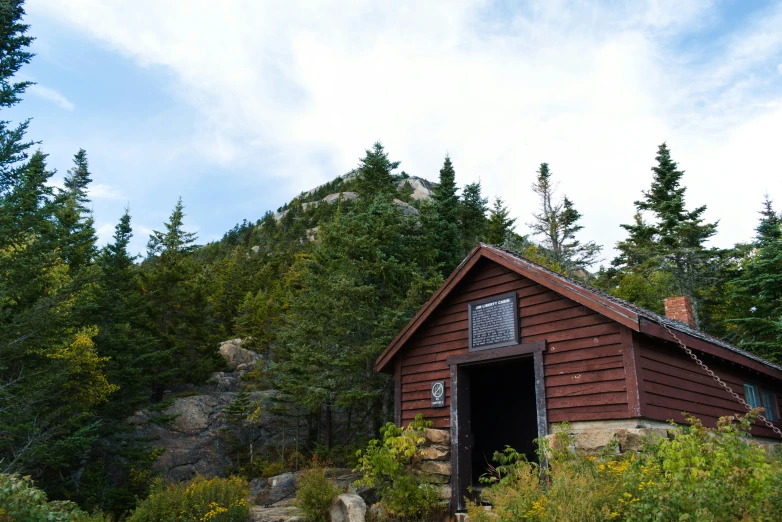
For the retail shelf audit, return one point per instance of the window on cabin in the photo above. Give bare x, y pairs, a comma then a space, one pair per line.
752, 395
758, 398
770, 405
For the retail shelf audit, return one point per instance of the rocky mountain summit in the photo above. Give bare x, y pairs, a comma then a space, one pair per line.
419, 189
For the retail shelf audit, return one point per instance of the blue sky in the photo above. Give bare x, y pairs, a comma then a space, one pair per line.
238, 106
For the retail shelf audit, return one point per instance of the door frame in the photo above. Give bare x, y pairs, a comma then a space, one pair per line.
461, 429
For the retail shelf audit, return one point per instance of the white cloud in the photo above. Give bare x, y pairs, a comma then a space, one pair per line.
51, 95
104, 233
590, 89
103, 191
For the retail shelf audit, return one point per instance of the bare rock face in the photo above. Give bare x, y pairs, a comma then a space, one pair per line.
348, 508
235, 355
191, 429
422, 189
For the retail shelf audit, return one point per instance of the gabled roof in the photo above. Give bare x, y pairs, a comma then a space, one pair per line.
621, 311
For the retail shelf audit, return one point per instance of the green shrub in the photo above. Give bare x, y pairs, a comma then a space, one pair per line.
699, 474
315, 494
20, 500
203, 500
388, 466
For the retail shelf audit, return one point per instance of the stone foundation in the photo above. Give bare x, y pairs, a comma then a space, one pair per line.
594, 437
435, 459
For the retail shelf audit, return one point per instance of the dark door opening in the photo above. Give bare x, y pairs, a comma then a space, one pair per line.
502, 411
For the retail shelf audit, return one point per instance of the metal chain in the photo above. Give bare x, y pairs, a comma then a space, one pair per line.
718, 380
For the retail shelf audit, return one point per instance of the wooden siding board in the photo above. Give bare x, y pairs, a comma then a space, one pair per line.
554, 381
574, 333
587, 342
566, 312
586, 388
584, 366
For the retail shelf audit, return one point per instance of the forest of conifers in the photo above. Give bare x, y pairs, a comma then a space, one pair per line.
90, 333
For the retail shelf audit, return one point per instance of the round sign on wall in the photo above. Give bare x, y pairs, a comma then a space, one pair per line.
438, 394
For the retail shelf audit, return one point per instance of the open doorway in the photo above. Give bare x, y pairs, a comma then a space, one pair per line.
503, 411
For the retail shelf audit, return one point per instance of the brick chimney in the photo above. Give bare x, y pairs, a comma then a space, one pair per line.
680, 309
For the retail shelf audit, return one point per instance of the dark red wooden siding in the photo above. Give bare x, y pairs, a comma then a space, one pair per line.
584, 368
672, 383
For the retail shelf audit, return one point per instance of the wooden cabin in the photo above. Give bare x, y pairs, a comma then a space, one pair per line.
507, 347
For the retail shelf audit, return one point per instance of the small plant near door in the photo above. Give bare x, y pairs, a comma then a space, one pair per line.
699, 474
388, 466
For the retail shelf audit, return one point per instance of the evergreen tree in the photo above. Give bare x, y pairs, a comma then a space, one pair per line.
174, 242
51, 376
365, 278
500, 226
667, 256
756, 296
446, 212
473, 220
14, 44
121, 316
375, 174
177, 301
75, 219
558, 223
770, 228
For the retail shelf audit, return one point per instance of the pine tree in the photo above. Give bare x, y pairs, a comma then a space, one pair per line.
121, 317
75, 219
174, 240
473, 220
177, 301
446, 211
52, 377
14, 44
669, 254
770, 228
558, 223
375, 174
756, 296
500, 226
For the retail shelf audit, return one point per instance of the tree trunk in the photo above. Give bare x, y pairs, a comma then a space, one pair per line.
327, 427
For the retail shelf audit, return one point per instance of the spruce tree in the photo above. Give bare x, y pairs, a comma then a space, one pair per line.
14, 53
121, 316
375, 177
756, 296
558, 223
446, 210
52, 376
770, 228
472, 218
77, 232
174, 240
177, 302
500, 225
668, 255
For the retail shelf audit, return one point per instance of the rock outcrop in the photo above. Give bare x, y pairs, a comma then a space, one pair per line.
419, 187
192, 430
235, 356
